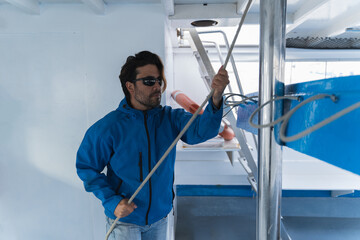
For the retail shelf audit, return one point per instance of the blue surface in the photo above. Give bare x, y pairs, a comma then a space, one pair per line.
246, 191
244, 113
214, 190
337, 143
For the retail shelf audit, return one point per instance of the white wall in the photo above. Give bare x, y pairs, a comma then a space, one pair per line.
187, 77
58, 75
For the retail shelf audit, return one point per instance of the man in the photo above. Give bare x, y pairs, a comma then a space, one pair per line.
130, 140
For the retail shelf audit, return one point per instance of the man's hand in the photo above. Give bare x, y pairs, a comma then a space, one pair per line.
219, 83
123, 209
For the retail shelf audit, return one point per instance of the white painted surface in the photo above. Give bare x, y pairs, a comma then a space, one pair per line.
302, 172
98, 6
304, 12
58, 75
28, 6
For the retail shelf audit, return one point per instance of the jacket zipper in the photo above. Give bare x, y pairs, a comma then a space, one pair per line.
117, 191
172, 188
140, 166
149, 161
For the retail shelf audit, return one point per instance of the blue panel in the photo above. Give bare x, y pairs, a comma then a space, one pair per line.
244, 112
214, 190
337, 143
306, 193
246, 191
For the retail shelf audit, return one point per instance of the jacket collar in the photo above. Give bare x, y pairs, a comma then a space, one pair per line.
125, 107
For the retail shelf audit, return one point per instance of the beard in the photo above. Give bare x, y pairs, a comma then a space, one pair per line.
150, 101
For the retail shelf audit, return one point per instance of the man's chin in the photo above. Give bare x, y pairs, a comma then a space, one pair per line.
153, 104
156, 104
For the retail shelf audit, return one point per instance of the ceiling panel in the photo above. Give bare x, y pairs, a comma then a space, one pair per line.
203, 1
329, 18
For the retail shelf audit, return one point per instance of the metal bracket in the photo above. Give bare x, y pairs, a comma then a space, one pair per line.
337, 193
250, 177
230, 155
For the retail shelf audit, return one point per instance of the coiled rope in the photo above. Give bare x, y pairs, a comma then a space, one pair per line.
286, 117
321, 124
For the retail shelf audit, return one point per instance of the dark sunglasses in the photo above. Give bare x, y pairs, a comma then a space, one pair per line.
150, 81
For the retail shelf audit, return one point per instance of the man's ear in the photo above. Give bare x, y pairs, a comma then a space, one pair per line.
130, 87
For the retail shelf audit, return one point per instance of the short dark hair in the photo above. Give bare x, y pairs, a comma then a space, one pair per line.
128, 70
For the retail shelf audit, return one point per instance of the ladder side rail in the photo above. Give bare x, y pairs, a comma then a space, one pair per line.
233, 64
205, 65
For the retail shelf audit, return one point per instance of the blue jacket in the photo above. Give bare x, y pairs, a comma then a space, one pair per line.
129, 143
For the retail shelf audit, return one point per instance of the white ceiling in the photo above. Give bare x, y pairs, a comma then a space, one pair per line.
305, 18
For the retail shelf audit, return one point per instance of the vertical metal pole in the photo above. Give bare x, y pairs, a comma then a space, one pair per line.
272, 54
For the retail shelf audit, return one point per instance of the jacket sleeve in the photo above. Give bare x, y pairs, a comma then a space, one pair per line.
92, 157
204, 127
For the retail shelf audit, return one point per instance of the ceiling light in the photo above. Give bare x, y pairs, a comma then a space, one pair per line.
204, 23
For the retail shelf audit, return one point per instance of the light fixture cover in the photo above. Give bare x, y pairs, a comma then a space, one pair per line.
204, 23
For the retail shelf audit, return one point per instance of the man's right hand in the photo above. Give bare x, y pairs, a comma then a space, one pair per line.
123, 209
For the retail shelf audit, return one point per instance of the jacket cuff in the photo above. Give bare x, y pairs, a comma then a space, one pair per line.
112, 203
213, 107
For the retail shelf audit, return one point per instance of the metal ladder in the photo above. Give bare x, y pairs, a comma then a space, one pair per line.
207, 73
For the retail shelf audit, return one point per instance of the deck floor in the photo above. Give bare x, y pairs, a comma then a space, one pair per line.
215, 218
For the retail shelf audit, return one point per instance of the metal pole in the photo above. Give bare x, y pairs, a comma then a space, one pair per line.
272, 54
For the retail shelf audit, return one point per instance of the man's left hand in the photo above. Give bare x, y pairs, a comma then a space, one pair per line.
219, 83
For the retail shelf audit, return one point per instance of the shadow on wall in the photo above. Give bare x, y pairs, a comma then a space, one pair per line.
40, 197
43, 119
43, 101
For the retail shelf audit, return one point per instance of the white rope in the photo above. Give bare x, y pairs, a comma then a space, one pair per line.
273, 123
237, 32
244, 100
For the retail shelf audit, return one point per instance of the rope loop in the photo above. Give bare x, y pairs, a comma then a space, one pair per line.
273, 123
244, 99
321, 124
286, 117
